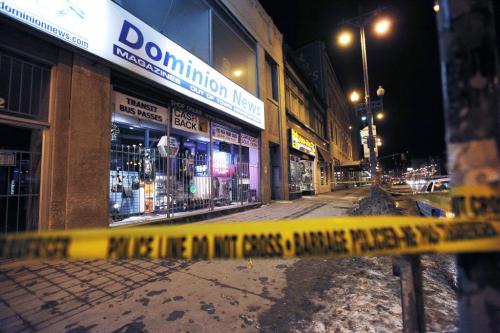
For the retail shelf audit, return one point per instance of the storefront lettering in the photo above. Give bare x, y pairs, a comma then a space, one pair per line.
7, 159
133, 37
139, 109
183, 119
220, 133
249, 141
141, 104
301, 143
133, 45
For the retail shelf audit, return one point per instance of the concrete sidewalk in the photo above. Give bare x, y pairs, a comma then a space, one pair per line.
156, 296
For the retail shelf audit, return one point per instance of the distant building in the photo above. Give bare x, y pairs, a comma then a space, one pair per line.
341, 120
310, 163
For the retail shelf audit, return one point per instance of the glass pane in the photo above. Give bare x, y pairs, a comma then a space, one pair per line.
5, 66
24, 87
186, 22
233, 57
15, 86
26, 80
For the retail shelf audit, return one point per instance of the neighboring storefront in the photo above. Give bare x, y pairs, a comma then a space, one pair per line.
324, 170
309, 148
302, 165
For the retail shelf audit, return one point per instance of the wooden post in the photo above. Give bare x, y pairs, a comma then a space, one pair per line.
470, 79
412, 296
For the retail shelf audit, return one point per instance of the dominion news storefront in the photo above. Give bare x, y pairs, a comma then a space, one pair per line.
120, 125
174, 158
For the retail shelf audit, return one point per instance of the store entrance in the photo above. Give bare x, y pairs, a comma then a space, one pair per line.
274, 153
226, 173
20, 152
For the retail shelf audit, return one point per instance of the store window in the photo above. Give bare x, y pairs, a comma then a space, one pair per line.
186, 22
296, 102
235, 166
272, 79
24, 91
301, 174
24, 88
324, 172
317, 122
233, 57
160, 161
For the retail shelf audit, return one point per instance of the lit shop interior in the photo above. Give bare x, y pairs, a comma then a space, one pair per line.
302, 155
170, 168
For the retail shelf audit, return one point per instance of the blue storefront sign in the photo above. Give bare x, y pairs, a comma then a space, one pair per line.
103, 28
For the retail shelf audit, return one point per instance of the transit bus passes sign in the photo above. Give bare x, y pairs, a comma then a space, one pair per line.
343, 236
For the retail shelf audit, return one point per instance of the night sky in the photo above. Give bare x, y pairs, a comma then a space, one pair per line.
405, 63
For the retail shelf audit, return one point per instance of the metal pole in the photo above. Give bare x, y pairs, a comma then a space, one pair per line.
211, 167
240, 182
470, 72
369, 116
167, 171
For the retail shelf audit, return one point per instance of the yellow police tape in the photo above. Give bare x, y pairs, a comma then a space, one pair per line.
475, 201
340, 236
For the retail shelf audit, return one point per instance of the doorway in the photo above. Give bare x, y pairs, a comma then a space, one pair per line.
275, 174
20, 152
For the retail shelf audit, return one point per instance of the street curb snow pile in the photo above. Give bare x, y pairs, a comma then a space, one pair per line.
377, 203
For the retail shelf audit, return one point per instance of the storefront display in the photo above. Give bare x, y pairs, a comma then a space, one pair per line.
226, 156
169, 171
301, 174
301, 165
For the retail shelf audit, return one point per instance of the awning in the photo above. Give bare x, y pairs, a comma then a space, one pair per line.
350, 163
323, 154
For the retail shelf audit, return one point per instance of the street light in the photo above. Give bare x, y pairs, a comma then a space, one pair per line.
345, 38
382, 26
355, 96
380, 94
380, 91
436, 6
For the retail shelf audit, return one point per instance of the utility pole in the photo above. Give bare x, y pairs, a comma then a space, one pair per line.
470, 79
369, 115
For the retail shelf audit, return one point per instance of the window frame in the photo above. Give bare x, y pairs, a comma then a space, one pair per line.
274, 87
239, 31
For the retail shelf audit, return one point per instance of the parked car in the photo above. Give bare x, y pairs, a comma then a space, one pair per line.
434, 198
437, 185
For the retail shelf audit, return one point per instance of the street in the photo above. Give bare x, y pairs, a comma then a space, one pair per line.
307, 295
222, 136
